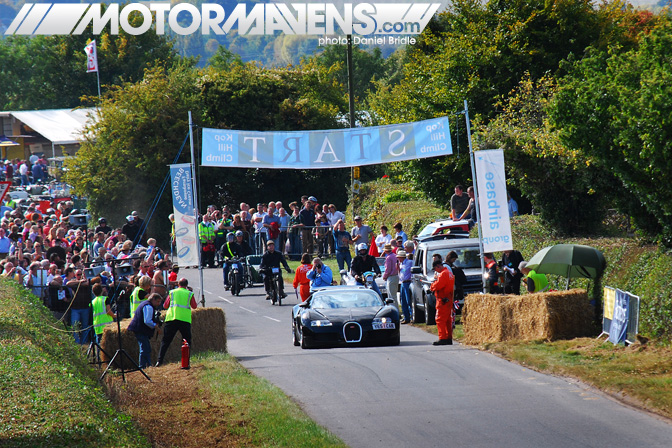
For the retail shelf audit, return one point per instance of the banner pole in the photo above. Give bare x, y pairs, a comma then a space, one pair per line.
351, 107
98, 78
193, 183
476, 205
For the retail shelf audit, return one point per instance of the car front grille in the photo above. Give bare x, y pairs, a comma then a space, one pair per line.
352, 332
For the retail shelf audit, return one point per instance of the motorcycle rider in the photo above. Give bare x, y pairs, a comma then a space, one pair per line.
229, 250
272, 259
362, 263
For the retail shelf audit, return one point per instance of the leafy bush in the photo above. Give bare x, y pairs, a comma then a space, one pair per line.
402, 196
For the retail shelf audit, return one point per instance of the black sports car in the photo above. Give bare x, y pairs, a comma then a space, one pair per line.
345, 315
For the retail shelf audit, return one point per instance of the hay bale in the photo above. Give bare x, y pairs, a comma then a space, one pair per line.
208, 333
548, 316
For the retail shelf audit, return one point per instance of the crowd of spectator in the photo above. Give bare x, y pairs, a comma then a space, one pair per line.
31, 171
60, 256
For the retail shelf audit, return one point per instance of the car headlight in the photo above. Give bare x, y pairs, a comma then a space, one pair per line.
382, 320
320, 323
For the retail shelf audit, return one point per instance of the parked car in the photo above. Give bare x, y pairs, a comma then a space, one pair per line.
345, 315
446, 225
423, 306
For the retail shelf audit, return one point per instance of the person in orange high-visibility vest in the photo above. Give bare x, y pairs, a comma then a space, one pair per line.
179, 304
301, 279
443, 287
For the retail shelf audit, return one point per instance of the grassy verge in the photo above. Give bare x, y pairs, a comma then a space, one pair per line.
638, 374
50, 397
216, 403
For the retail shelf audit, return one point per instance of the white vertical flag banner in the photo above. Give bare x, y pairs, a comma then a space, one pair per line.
91, 57
493, 200
186, 235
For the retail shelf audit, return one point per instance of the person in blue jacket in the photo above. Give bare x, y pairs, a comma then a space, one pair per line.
320, 275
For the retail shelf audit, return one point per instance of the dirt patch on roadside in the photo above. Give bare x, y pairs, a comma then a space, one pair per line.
174, 410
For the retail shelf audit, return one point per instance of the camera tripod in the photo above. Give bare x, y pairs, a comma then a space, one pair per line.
121, 353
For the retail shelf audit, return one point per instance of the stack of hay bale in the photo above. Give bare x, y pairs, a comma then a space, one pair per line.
547, 316
208, 333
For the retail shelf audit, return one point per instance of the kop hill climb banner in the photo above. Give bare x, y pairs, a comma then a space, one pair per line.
493, 200
338, 148
185, 220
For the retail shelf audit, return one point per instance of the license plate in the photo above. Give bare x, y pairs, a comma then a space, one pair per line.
275, 270
384, 326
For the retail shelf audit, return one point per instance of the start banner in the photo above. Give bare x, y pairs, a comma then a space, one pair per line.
338, 148
186, 234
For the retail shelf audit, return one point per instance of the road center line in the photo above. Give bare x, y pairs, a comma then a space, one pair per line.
243, 308
271, 318
207, 292
225, 299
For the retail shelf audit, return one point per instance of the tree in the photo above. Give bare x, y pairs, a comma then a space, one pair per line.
570, 190
123, 160
249, 97
480, 51
617, 107
47, 72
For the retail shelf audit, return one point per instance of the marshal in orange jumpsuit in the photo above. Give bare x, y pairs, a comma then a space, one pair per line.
443, 287
301, 279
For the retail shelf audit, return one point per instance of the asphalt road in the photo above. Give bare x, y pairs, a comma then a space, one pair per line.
420, 395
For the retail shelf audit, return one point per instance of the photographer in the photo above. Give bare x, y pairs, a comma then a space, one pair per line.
144, 322
320, 274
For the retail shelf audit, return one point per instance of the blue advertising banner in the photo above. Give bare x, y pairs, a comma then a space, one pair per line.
619, 323
337, 148
186, 235
493, 200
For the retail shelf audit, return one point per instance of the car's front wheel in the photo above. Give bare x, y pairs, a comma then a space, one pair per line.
305, 341
417, 317
295, 336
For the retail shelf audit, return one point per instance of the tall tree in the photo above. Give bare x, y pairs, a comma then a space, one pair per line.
123, 160
617, 107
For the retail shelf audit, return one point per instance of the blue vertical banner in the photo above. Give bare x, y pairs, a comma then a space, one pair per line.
186, 222
335, 148
619, 322
492, 200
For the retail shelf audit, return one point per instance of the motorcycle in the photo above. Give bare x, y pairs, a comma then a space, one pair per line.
276, 289
237, 274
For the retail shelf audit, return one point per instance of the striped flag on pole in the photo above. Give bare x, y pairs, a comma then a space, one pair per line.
91, 57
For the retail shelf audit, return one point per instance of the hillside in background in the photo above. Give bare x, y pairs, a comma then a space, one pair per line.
270, 51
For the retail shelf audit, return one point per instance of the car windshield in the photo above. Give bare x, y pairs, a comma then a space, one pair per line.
381, 264
350, 299
467, 258
428, 230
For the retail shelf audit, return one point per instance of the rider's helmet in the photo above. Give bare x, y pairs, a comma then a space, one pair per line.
362, 246
102, 221
230, 238
239, 233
